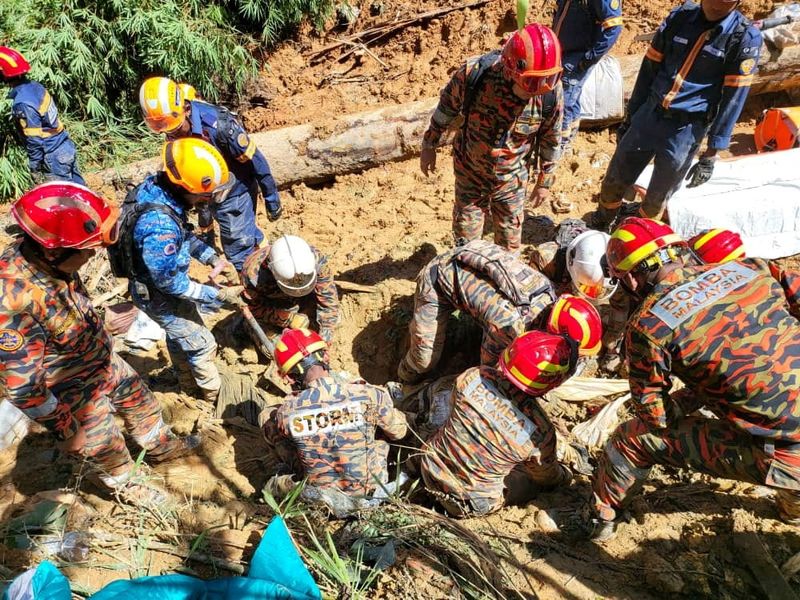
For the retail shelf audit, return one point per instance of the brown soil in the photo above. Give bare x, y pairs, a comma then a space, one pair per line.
379, 228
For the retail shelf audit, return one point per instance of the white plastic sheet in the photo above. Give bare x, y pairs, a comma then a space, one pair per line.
13, 425
144, 332
602, 95
757, 195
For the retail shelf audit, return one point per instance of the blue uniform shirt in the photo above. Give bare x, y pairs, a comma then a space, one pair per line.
218, 127
165, 251
695, 66
37, 117
587, 29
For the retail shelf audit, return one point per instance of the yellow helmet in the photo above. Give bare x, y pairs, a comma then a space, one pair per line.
197, 167
189, 92
161, 100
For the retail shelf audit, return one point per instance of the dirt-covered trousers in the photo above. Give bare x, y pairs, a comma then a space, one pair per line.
189, 342
120, 387
573, 82
503, 198
670, 139
714, 447
502, 322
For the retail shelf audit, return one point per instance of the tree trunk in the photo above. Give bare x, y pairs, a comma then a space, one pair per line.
317, 152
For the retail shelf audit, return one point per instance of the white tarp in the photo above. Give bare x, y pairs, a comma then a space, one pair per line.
757, 195
601, 97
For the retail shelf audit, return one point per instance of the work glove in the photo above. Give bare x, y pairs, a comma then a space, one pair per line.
274, 215
700, 172
299, 321
222, 266
231, 295
427, 161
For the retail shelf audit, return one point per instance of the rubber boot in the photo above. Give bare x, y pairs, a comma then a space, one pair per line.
176, 447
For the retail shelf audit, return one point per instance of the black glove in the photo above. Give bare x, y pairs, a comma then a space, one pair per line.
624, 126
701, 172
275, 215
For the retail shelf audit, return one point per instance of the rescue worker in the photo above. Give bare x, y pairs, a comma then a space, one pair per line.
276, 277
731, 333
587, 31
51, 152
326, 430
504, 295
692, 85
155, 236
57, 363
496, 425
512, 105
166, 111
714, 246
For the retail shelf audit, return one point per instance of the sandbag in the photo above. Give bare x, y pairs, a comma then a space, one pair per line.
602, 97
784, 36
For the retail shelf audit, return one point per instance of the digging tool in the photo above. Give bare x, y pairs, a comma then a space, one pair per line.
265, 346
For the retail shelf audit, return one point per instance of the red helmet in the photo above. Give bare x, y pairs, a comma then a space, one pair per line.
536, 362
532, 58
61, 214
294, 346
12, 63
638, 240
578, 319
717, 246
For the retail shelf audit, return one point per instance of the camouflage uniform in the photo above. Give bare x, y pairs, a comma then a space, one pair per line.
330, 427
58, 367
272, 306
493, 427
447, 284
492, 154
729, 333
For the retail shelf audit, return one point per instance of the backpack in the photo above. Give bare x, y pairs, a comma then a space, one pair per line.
473, 86
516, 281
125, 260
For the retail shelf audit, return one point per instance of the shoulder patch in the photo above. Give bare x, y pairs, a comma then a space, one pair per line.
10, 340
688, 299
614, 4
747, 66
242, 140
170, 249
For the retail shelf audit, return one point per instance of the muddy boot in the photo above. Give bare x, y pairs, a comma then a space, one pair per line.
279, 486
788, 502
587, 525
176, 447
141, 494
610, 364
576, 456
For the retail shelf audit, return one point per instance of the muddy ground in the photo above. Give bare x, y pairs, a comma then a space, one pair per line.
378, 229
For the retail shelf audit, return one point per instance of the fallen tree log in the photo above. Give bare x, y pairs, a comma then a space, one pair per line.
317, 152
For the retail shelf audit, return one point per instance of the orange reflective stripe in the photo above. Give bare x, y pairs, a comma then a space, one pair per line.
45, 103
42, 133
612, 22
248, 153
685, 68
738, 80
557, 28
654, 55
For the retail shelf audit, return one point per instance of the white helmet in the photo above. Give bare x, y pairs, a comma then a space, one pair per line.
294, 265
586, 263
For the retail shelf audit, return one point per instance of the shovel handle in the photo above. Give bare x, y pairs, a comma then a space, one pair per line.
266, 345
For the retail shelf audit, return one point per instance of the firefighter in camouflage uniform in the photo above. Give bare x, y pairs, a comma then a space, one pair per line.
512, 105
57, 364
496, 426
731, 333
326, 431
277, 277
504, 295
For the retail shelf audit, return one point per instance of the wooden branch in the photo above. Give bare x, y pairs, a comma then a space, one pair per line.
756, 556
118, 290
367, 34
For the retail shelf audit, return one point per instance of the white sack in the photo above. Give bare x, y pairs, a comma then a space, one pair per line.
602, 97
583, 389
594, 432
144, 332
788, 35
13, 425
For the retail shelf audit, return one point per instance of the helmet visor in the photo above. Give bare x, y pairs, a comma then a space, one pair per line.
538, 82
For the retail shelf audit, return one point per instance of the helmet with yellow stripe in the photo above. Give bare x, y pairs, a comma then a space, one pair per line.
162, 105
12, 63
299, 349
577, 318
639, 243
536, 362
198, 168
189, 92
714, 246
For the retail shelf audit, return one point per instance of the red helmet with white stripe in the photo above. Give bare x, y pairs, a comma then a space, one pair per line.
577, 318
12, 63
715, 246
62, 214
536, 362
532, 58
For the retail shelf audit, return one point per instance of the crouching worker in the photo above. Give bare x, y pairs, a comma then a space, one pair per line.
497, 426
156, 247
56, 359
327, 429
279, 278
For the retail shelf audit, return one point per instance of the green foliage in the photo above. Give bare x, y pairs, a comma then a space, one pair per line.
92, 55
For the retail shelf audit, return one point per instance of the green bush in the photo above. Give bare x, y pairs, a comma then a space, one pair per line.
92, 55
